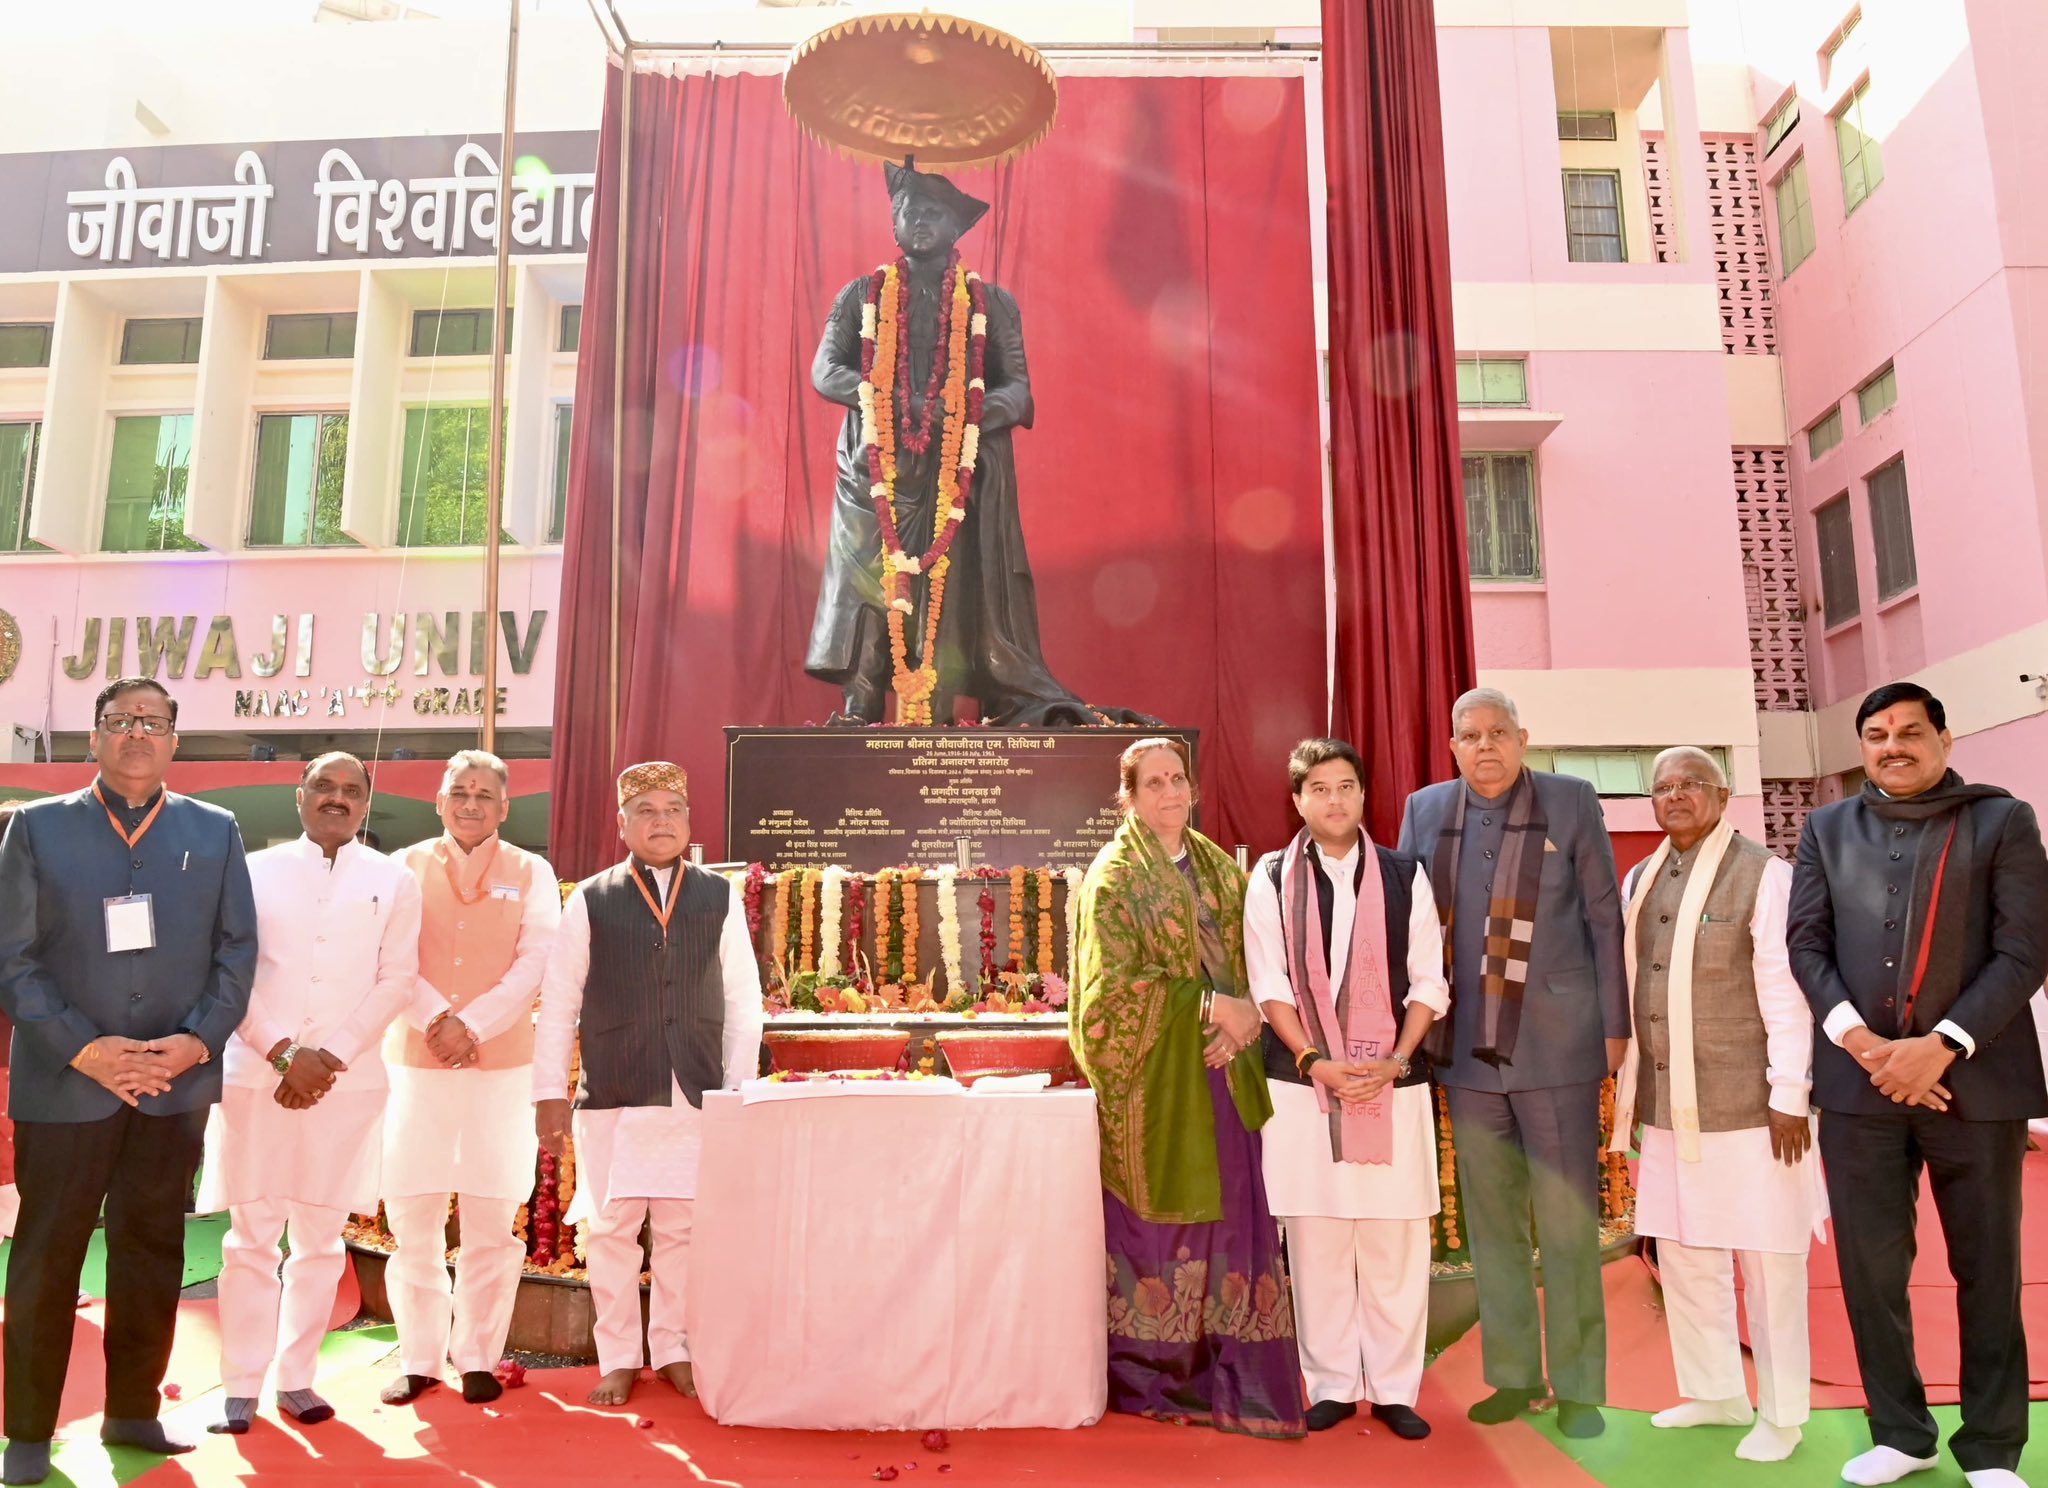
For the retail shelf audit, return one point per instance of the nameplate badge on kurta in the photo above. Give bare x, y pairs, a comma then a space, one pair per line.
131, 923
505, 891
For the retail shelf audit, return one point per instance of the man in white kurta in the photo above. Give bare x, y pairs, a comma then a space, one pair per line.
1357, 1230
297, 1141
460, 1123
1719, 1072
654, 968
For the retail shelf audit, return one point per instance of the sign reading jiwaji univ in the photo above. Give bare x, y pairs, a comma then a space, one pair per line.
292, 201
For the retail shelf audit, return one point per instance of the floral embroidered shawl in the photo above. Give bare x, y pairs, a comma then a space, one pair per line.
1137, 1029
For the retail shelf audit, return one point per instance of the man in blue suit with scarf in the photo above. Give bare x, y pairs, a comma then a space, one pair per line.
127, 944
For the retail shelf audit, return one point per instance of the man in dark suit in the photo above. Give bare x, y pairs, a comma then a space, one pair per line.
127, 944
1918, 931
1524, 879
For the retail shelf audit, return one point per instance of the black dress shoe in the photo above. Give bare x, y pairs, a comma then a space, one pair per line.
1326, 1413
1402, 1421
1577, 1419
1501, 1405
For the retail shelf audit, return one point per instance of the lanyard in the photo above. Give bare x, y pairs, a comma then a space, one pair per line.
661, 911
483, 875
115, 822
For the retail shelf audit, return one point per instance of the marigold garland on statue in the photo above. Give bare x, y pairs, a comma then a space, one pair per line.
885, 406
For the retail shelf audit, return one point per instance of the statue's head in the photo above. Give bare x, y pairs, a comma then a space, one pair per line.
931, 212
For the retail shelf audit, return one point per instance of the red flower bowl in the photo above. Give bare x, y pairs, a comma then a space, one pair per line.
974, 1052
804, 1050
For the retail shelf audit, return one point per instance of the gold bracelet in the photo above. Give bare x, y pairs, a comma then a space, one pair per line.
1208, 1003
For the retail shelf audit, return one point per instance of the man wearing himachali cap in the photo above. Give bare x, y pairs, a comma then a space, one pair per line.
654, 966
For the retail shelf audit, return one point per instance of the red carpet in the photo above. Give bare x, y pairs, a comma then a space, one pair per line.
543, 1434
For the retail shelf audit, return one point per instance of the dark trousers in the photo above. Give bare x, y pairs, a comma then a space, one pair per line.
140, 1167
1524, 1153
1873, 1168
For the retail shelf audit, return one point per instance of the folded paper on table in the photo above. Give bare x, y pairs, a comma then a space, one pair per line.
1039, 1080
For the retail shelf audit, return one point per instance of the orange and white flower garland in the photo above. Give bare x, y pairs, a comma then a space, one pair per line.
884, 325
831, 902
949, 930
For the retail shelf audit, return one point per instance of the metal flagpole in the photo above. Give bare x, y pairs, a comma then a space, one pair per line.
494, 499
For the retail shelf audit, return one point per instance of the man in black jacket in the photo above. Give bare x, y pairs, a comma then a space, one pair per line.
127, 944
1919, 929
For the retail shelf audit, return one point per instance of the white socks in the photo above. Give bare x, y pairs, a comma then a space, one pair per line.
1734, 1411
1995, 1477
1768, 1443
1883, 1465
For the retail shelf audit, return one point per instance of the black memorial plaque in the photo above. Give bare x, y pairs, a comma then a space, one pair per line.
871, 798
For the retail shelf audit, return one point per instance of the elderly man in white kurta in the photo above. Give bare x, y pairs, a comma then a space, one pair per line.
654, 967
1346, 959
1719, 1072
460, 1123
297, 1141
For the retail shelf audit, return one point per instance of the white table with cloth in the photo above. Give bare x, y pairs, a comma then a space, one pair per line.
906, 1255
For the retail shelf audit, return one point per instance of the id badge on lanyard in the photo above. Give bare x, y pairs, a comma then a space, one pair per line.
131, 923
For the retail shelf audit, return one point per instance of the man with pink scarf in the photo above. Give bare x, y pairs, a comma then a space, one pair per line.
1350, 1154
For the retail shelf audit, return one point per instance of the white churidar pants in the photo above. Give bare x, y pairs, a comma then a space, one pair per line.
258, 1324
1706, 1348
470, 1324
1361, 1306
612, 1257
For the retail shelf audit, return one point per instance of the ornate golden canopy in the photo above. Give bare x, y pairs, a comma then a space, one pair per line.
946, 91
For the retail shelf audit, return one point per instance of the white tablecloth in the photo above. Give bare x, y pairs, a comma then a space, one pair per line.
873, 1264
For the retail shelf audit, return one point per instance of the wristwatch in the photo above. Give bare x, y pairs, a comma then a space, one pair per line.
1953, 1045
283, 1063
1401, 1063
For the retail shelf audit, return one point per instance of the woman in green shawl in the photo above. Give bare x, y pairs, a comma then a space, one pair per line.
1201, 1324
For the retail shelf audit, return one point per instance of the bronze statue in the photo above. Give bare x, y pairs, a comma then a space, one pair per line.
987, 645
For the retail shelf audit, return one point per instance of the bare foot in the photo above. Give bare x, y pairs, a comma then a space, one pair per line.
681, 1376
615, 1388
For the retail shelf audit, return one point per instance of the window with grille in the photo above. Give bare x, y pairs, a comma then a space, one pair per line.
1839, 600
1878, 395
1500, 517
1592, 216
1585, 125
1891, 531
570, 334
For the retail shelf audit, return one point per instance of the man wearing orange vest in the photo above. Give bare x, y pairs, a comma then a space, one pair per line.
461, 1061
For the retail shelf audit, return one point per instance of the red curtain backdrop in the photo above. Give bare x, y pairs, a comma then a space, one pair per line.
1404, 611
1158, 244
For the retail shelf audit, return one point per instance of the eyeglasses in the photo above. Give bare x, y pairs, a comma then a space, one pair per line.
1664, 790
149, 723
